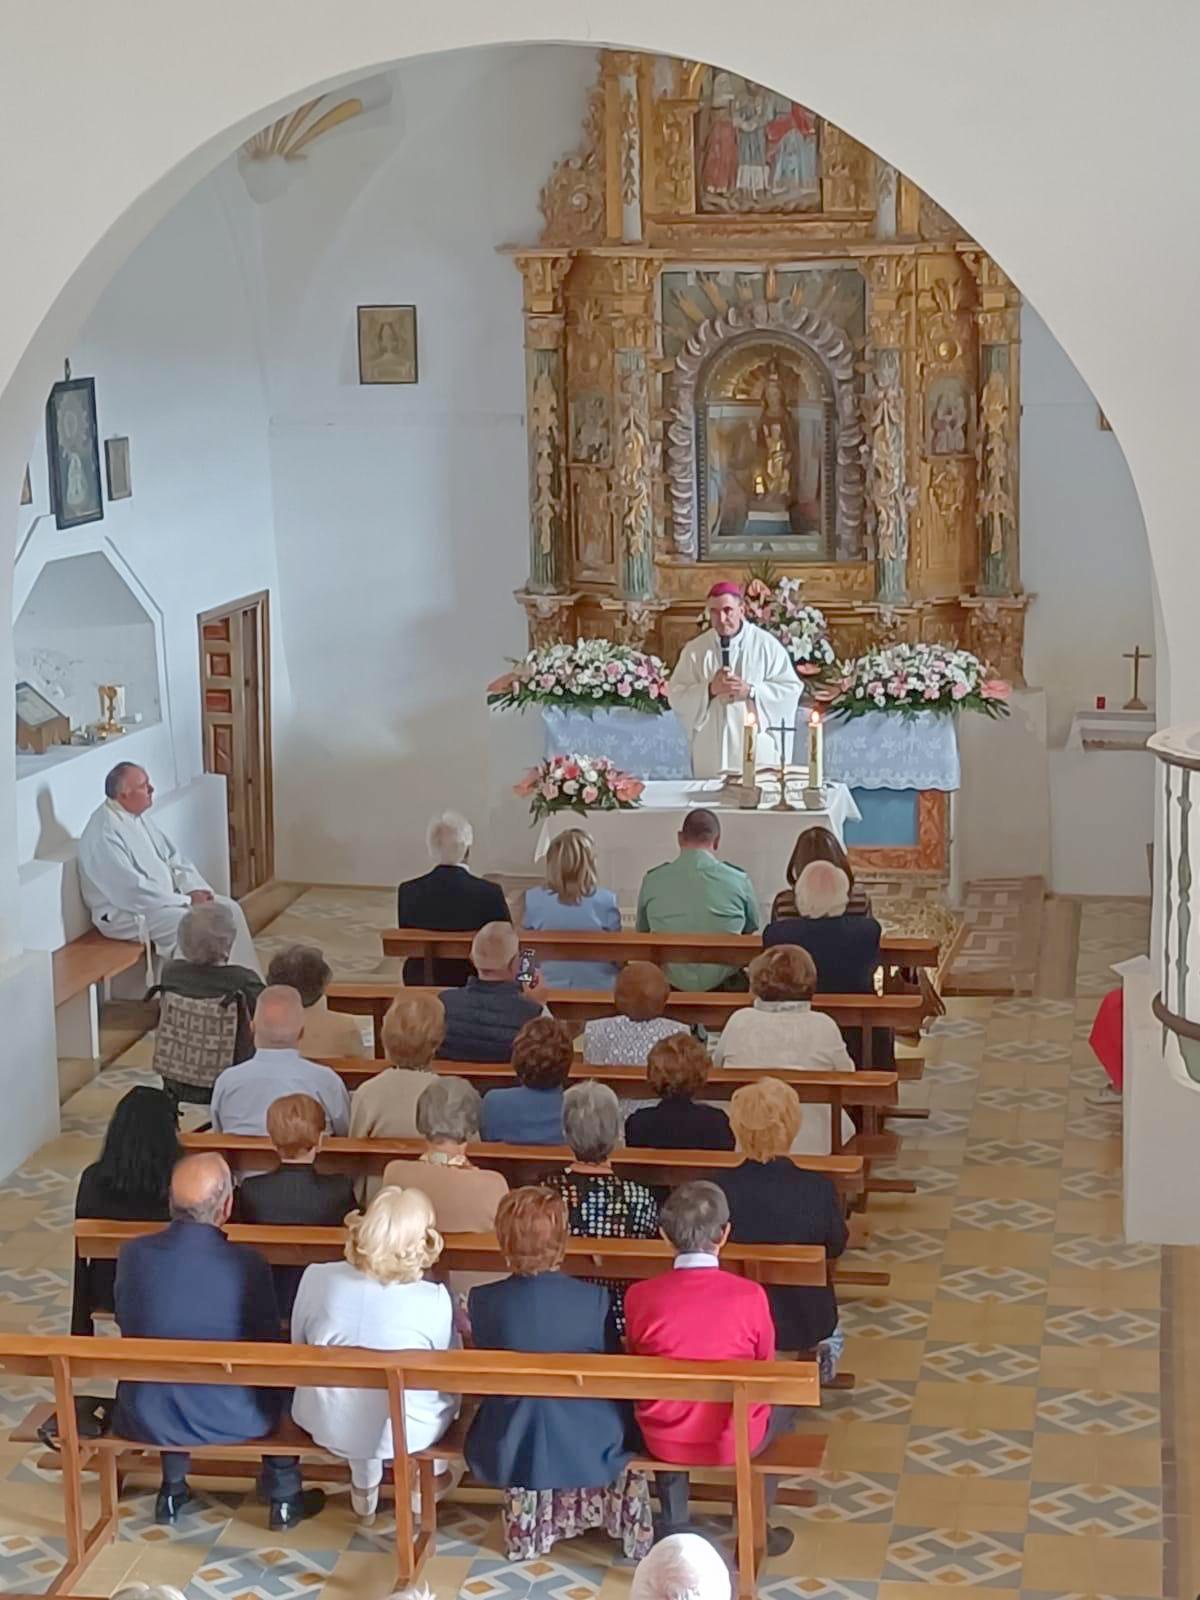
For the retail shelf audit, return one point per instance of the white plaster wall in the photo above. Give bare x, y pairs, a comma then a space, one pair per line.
172, 345
402, 512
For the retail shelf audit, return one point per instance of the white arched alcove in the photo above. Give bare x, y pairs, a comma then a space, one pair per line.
997, 116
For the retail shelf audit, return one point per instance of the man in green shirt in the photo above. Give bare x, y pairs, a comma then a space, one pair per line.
697, 893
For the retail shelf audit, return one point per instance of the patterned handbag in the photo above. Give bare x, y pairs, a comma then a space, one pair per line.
196, 1039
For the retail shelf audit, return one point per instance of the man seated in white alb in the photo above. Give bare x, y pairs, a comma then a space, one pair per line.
134, 881
244, 1094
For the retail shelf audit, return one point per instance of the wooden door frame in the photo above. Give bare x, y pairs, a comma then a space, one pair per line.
262, 599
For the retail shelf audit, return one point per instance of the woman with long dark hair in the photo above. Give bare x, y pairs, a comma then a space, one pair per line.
129, 1183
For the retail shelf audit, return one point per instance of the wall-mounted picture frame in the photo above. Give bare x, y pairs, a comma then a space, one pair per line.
387, 344
73, 448
116, 468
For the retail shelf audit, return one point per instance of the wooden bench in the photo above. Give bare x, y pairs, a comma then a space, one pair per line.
897, 952
67, 1360
81, 970
901, 1012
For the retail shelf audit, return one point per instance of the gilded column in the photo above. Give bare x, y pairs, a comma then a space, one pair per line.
633, 279
543, 272
998, 426
889, 493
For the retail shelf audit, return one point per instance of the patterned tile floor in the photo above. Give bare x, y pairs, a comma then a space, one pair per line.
1004, 1433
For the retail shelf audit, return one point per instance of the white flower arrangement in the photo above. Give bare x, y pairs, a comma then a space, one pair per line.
776, 605
908, 678
589, 675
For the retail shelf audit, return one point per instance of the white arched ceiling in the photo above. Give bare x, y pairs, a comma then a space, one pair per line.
1062, 136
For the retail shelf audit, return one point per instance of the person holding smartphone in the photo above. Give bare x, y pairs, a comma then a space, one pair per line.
486, 1014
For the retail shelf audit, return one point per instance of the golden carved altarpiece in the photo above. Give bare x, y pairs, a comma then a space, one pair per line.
746, 335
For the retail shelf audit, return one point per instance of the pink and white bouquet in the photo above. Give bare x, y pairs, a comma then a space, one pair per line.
578, 783
907, 678
776, 605
589, 675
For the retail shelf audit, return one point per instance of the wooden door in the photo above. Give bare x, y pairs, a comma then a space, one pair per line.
235, 694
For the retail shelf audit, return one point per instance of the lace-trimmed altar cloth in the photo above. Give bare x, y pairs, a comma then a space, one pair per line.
884, 751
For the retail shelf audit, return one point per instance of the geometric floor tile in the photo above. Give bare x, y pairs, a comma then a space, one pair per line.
1021, 1099
947, 1072
29, 1564
542, 1578
1108, 1327
200, 1521
1096, 1125
264, 1574
461, 1531
969, 1452
1104, 1250
1005, 1216
852, 1497
904, 1245
981, 1284
1090, 1185
1094, 1411
870, 1400
956, 1028
929, 1180
980, 1363
883, 1319
939, 1124
19, 1397
29, 1181
1014, 1153
945, 1556
814, 1589
1033, 1006
1041, 1051
1096, 1508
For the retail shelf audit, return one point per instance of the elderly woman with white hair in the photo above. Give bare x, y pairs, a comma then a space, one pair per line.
682, 1566
376, 1298
600, 1204
844, 945
449, 897
200, 970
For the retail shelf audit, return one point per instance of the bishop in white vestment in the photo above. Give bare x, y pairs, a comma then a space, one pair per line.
713, 700
134, 881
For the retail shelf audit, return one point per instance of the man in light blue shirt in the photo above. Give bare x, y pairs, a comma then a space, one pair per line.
698, 893
243, 1094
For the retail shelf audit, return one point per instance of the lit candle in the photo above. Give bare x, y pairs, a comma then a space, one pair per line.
750, 748
816, 751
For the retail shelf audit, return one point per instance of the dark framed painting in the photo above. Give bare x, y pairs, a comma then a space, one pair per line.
387, 344
116, 467
73, 446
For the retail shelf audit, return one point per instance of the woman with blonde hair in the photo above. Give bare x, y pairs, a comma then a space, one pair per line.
385, 1107
781, 1029
376, 1298
773, 1201
571, 900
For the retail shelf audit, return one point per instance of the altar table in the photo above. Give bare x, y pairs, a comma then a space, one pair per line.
629, 843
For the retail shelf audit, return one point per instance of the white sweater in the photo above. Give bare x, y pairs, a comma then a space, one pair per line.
789, 1033
338, 1305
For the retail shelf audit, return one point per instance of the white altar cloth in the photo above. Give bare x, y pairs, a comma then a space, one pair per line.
629, 843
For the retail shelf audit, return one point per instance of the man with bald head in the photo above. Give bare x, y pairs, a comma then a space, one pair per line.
243, 1094
190, 1282
134, 881
489, 1011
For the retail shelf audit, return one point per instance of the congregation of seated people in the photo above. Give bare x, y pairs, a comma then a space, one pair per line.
562, 1464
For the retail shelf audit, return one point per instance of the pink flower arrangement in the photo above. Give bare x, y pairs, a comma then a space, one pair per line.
907, 678
578, 783
589, 675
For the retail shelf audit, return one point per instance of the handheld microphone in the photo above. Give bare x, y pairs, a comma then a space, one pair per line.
725, 654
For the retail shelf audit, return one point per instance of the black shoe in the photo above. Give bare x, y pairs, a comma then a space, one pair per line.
298, 1507
779, 1541
169, 1504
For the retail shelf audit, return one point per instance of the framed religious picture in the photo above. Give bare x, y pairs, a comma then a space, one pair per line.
40, 724
387, 344
73, 448
116, 466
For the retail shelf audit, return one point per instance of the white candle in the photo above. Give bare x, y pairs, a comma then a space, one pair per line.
750, 748
816, 751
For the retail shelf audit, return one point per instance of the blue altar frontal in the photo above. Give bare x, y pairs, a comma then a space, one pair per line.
886, 760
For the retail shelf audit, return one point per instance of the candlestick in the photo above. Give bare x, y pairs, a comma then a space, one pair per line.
750, 749
816, 751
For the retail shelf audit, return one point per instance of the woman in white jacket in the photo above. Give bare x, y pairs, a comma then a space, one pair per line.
376, 1299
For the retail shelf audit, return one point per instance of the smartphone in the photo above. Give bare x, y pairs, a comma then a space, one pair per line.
526, 969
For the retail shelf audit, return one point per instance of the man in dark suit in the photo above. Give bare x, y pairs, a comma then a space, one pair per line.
189, 1282
295, 1195
449, 898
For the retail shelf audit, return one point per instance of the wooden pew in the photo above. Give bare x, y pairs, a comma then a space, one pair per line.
897, 951
626, 1260
68, 1361
577, 1006
869, 1092
520, 1163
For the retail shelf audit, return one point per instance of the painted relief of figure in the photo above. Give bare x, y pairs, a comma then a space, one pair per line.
751, 114
948, 426
718, 170
792, 150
